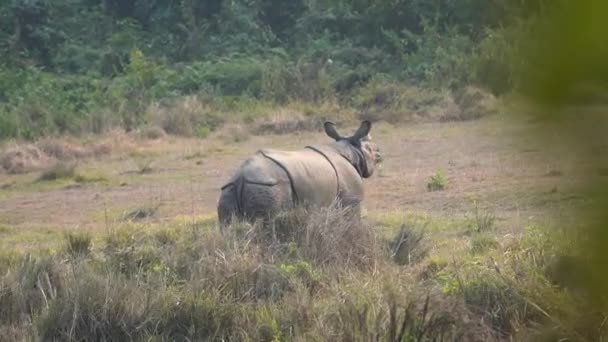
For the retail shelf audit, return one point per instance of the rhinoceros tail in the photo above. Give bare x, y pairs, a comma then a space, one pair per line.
230, 204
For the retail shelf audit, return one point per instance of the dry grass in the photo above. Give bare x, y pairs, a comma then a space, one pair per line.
62, 150
61, 170
233, 134
471, 103
286, 121
392, 102
151, 133
298, 117
198, 285
186, 116
23, 158
311, 275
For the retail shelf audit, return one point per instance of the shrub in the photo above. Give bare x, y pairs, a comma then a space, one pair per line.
437, 182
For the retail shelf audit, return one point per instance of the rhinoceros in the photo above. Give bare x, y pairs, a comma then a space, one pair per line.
271, 181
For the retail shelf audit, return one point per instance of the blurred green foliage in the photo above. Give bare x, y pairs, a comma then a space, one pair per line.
567, 77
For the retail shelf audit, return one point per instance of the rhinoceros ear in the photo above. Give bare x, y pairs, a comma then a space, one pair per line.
330, 130
363, 130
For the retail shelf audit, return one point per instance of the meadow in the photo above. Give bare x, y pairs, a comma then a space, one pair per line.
464, 237
121, 120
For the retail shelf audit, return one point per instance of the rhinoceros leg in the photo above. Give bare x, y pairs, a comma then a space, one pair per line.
353, 204
228, 206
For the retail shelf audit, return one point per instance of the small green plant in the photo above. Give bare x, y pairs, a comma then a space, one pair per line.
437, 182
78, 244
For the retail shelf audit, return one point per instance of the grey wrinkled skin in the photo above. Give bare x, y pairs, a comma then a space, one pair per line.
271, 181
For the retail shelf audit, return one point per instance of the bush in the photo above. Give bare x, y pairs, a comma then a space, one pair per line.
437, 182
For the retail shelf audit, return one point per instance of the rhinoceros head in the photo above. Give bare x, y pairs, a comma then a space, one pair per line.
366, 154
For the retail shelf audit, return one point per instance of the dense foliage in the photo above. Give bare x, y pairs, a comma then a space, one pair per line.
74, 65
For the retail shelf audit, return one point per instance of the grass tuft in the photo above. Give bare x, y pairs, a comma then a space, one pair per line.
437, 182
59, 171
406, 247
78, 245
141, 213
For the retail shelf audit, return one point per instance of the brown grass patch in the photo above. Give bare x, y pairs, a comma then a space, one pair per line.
233, 133
286, 121
62, 150
473, 103
186, 116
299, 117
23, 158
324, 236
394, 102
151, 133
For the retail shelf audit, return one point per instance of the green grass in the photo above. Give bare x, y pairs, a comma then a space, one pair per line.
32, 238
390, 221
90, 177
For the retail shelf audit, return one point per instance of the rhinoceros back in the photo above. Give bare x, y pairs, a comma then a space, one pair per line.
312, 175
